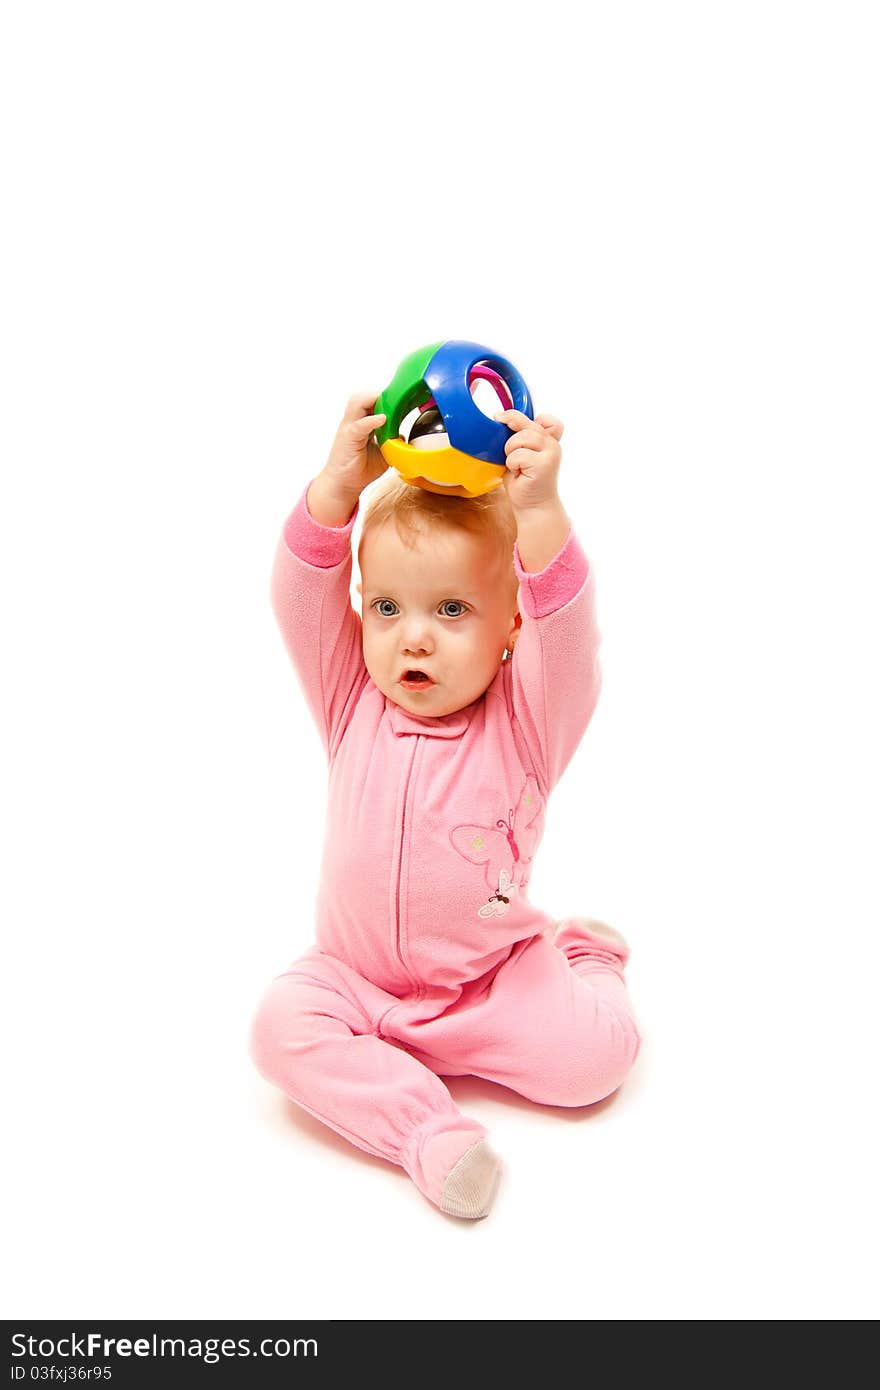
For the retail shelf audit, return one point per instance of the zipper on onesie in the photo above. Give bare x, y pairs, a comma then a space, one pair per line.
417, 742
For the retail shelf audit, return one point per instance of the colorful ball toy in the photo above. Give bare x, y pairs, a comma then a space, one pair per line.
452, 446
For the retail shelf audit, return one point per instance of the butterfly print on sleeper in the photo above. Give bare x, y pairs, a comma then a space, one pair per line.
500, 901
506, 847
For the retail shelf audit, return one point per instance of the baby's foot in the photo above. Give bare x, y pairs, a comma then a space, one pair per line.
470, 1188
583, 939
603, 929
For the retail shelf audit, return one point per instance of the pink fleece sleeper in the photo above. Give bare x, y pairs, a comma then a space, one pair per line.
429, 960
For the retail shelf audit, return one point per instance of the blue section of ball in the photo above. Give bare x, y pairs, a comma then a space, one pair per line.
447, 377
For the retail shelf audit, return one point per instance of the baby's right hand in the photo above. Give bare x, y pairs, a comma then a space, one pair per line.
355, 460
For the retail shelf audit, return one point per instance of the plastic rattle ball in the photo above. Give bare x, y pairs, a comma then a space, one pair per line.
452, 447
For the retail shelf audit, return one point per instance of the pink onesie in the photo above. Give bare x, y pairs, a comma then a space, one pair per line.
429, 958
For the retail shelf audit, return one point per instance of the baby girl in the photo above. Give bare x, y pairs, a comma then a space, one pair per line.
448, 711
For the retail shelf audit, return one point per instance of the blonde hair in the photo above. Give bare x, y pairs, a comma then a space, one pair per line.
416, 512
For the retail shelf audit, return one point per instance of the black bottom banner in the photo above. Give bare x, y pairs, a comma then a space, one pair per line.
89, 1352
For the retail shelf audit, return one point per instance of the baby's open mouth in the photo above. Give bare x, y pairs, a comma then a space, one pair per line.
415, 679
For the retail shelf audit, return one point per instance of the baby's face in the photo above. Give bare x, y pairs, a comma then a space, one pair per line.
446, 607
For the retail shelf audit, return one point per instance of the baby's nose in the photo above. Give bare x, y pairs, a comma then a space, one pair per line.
417, 640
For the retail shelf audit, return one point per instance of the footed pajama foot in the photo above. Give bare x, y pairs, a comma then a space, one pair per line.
590, 944
471, 1186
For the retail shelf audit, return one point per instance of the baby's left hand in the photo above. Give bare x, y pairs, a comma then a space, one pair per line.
533, 458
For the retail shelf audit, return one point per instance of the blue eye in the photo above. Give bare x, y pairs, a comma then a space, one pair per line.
391, 610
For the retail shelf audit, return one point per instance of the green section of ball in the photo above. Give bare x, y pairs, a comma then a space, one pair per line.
406, 391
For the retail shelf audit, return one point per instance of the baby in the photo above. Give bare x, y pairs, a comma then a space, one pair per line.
448, 712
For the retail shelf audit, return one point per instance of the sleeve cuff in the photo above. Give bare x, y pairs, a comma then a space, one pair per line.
555, 585
323, 546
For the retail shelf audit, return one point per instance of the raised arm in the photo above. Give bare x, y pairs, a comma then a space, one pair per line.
554, 678
311, 576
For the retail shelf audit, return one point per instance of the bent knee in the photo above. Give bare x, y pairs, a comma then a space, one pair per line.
266, 1036
277, 1029
589, 1072
288, 1030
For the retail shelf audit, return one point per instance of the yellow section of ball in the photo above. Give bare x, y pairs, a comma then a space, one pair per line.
449, 470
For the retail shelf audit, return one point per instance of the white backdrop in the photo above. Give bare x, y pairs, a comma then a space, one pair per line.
221, 220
